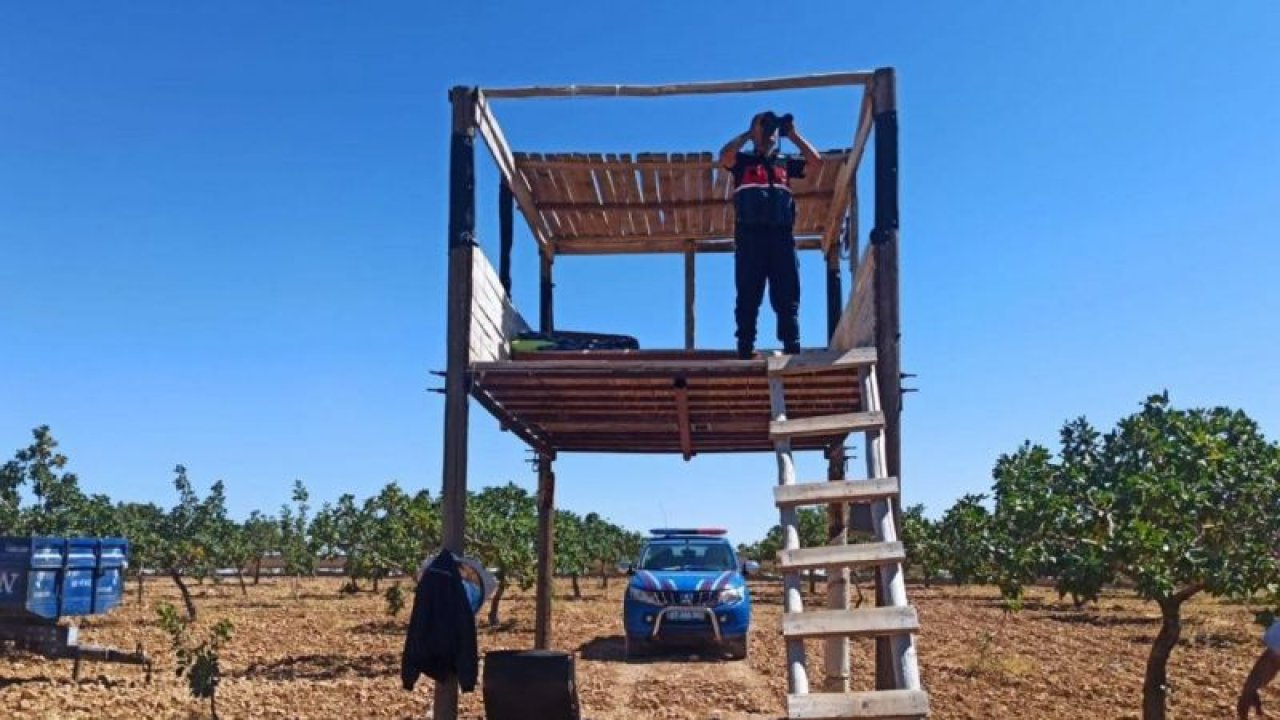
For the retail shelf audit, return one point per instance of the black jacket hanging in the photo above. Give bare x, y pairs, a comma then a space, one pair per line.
442, 629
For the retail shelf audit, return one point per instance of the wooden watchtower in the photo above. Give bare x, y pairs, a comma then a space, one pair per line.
692, 401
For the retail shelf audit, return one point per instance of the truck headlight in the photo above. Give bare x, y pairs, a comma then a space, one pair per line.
731, 595
645, 596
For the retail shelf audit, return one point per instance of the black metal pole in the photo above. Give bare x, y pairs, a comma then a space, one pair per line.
546, 309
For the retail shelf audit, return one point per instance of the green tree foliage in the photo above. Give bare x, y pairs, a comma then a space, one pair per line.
60, 507
920, 540
198, 662
964, 540
195, 535
1176, 502
296, 546
502, 526
143, 524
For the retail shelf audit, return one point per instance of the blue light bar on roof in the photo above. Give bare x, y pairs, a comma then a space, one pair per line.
688, 531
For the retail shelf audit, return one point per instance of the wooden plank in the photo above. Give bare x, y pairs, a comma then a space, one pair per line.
884, 704
863, 622
682, 418
622, 245
544, 590
844, 179
847, 491
678, 200
487, 124
826, 425
697, 88
830, 556
817, 361
690, 289
857, 323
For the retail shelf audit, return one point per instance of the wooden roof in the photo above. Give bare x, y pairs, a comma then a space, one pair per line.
593, 203
653, 401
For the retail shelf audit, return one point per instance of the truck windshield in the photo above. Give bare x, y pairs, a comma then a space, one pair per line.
687, 554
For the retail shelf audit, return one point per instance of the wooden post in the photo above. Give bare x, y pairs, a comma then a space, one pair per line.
462, 225
835, 295
884, 238
546, 309
546, 553
506, 228
837, 649
792, 601
689, 256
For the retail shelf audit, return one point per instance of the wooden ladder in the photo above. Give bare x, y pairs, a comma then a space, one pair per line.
896, 619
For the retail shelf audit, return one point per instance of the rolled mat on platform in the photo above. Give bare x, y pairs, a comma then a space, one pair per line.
524, 684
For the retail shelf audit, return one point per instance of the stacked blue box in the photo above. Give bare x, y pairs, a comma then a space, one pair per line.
77, 580
30, 568
112, 561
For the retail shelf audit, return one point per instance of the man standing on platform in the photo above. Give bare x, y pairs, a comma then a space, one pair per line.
765, 213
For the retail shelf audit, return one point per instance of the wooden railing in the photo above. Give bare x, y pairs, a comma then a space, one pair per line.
857, 326
494, 320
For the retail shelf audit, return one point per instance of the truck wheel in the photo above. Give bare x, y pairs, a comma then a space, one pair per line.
737, 647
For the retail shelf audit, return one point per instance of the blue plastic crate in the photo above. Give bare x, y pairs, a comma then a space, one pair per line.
43, 578
30, 570
108, 590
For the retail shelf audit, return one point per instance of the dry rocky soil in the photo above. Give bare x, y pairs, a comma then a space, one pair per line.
326, 655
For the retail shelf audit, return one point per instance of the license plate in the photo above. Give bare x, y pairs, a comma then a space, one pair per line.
686, 615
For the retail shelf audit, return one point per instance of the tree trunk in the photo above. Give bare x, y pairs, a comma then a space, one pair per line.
497, 598
139, 586
186, 594
244, 591
257, 569
213, 705
1155, 688
604, 574
577, 591
375, 583
813, 583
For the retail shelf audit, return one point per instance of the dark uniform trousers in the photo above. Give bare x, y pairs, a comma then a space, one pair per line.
763, 254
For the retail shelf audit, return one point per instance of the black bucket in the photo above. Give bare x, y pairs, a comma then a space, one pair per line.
525, 684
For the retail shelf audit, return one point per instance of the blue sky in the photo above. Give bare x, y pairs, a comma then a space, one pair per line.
222, 227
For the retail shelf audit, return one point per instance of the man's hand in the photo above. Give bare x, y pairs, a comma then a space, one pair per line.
1249, 700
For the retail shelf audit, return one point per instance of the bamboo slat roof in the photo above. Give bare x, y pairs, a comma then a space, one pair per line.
653, 202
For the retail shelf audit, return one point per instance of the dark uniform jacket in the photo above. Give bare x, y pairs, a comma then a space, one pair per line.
762, 189
442, 629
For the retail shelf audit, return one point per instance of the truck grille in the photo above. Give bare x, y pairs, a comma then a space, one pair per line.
689, 598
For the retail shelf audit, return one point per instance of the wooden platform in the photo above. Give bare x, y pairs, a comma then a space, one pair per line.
654, 401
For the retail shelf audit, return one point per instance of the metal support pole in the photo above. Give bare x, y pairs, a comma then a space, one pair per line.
546, 308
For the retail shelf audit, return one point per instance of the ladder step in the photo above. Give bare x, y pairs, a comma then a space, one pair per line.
856, 555
876, 704
843, 491
826, 425
816, 361
862, 622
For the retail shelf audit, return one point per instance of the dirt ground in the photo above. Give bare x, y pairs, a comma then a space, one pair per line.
325, 655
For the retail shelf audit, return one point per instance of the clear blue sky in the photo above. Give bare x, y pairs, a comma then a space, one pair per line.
222, 226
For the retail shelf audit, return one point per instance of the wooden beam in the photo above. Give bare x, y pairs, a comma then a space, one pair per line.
487, 124
695, 88
505, 234
692, 161
592, 205
826, 425
546, 553
840, 197
462, 223
846, 491
632, 244
509, 421
546, 297
816, 361
836, 558
689, 290
682, 417
882, 704
863, 622
841, 556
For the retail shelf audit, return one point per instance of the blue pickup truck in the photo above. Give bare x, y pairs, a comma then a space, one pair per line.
687, 588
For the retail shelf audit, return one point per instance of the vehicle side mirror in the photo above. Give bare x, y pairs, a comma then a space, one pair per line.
750, 567
626, 568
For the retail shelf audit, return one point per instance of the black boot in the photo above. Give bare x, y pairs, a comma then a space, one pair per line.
745, 352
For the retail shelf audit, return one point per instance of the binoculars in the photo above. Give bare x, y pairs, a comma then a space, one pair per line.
771, 122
